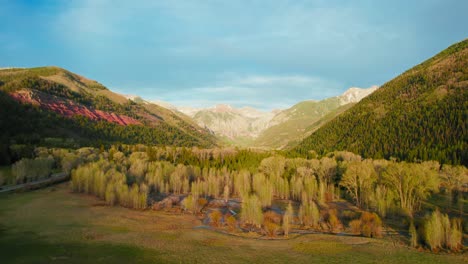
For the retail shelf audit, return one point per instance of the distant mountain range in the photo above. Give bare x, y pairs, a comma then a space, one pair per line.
276, 129
80, 100
238, 126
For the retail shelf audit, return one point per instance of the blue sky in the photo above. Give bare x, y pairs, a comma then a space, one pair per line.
266, 54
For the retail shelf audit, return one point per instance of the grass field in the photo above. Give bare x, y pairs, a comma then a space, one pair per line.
53, 225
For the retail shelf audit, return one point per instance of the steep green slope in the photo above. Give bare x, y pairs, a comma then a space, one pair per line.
180, 121
174, 118
291, 124
318, 124
23, 123
421, 114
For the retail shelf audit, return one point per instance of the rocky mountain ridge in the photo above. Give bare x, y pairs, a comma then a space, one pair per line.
248, 123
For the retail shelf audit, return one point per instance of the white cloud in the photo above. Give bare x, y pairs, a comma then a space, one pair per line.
216, 89
261, 91
238, 27
85, 19
282, 80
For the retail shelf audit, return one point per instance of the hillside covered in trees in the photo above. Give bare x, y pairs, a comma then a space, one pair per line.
50, 106
290, 126
420, 115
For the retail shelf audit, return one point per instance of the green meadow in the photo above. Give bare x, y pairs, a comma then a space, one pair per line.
54, 225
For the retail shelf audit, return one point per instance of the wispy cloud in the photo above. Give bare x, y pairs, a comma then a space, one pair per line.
262, 91
236, 28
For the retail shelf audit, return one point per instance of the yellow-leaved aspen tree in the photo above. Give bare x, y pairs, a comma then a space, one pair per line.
288, 219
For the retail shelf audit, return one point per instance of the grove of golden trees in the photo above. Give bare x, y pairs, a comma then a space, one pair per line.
134, 176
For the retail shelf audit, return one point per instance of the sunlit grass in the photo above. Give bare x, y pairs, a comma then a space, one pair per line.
53, 225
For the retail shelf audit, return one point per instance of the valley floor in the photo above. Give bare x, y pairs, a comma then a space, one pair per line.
53, 225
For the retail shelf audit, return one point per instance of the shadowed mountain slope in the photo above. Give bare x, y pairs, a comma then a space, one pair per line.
421, 114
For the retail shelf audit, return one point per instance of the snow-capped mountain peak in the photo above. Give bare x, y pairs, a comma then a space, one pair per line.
355, 94
221, 108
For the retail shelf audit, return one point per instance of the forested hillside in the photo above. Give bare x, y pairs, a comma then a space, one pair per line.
422, 114
318, 124
291, 126
53, 107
